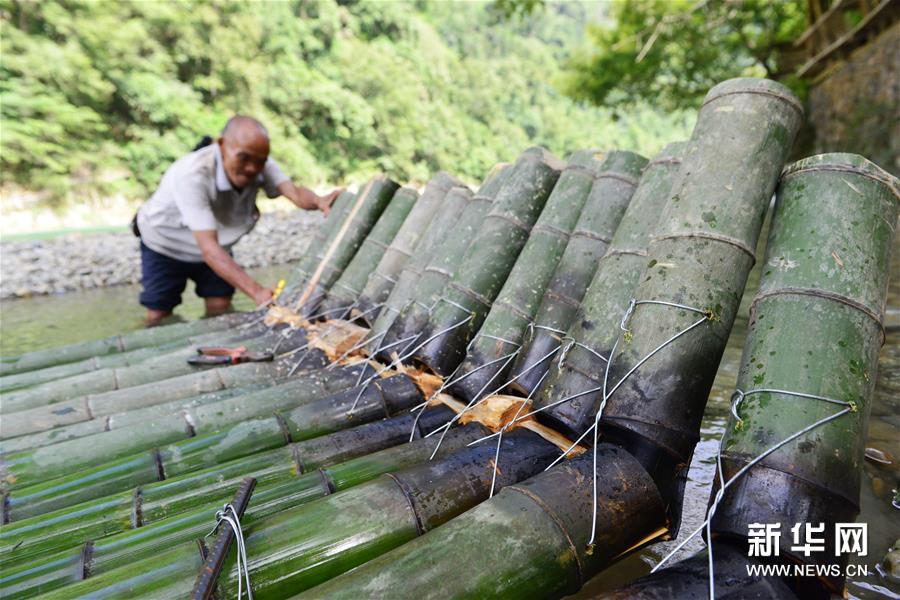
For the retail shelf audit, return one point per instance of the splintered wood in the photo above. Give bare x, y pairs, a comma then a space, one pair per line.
283, 314
336, 337
498, 411
428, 383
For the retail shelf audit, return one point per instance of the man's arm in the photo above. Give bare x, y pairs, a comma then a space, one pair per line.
221, 262
305, 198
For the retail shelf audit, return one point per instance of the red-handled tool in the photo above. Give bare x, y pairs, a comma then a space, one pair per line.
218, 355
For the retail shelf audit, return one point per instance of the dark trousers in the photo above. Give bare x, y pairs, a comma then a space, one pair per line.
165, 278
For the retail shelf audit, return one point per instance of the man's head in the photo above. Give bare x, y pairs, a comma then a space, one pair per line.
245, 147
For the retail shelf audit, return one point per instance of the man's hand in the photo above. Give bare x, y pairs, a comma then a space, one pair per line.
325, 201
221, 262
307, 199
263, 297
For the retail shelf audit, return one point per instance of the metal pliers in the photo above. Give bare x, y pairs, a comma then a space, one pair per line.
217, 355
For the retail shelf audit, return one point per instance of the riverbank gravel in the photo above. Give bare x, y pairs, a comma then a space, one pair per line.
82, 261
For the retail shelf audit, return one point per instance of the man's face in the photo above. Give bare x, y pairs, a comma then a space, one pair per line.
243, 158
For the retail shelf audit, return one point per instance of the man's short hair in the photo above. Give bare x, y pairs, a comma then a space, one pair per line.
239, 121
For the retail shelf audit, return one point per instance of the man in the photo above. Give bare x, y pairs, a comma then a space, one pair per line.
206, 201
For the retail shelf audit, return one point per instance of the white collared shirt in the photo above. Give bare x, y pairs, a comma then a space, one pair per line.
194, 194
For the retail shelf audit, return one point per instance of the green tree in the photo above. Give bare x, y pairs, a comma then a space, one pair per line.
102, 95
673, 51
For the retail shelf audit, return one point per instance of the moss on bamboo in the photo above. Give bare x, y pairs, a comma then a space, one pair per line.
465, 301
344, 292
407, 326
403, 246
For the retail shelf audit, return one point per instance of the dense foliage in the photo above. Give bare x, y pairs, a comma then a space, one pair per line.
104, 95
675, 50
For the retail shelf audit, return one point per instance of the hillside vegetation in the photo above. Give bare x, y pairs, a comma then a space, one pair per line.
99, 97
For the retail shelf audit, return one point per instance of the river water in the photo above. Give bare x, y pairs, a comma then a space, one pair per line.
47, 321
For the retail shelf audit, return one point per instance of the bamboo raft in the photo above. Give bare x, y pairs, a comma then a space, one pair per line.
488, 393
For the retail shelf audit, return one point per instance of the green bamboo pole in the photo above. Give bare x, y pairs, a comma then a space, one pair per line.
743, 133
134, 340
438, 231
487, 262
26, 379
595, 324
378, 193
312, 418
404, 245
371, 449
157, 368
530, 540
20, 469
710, 227
97, 407
348, 286
118, 420
321, 239
80, 372
319, 540
600, 218
164, 583
485, 366
413, 317
825, 280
